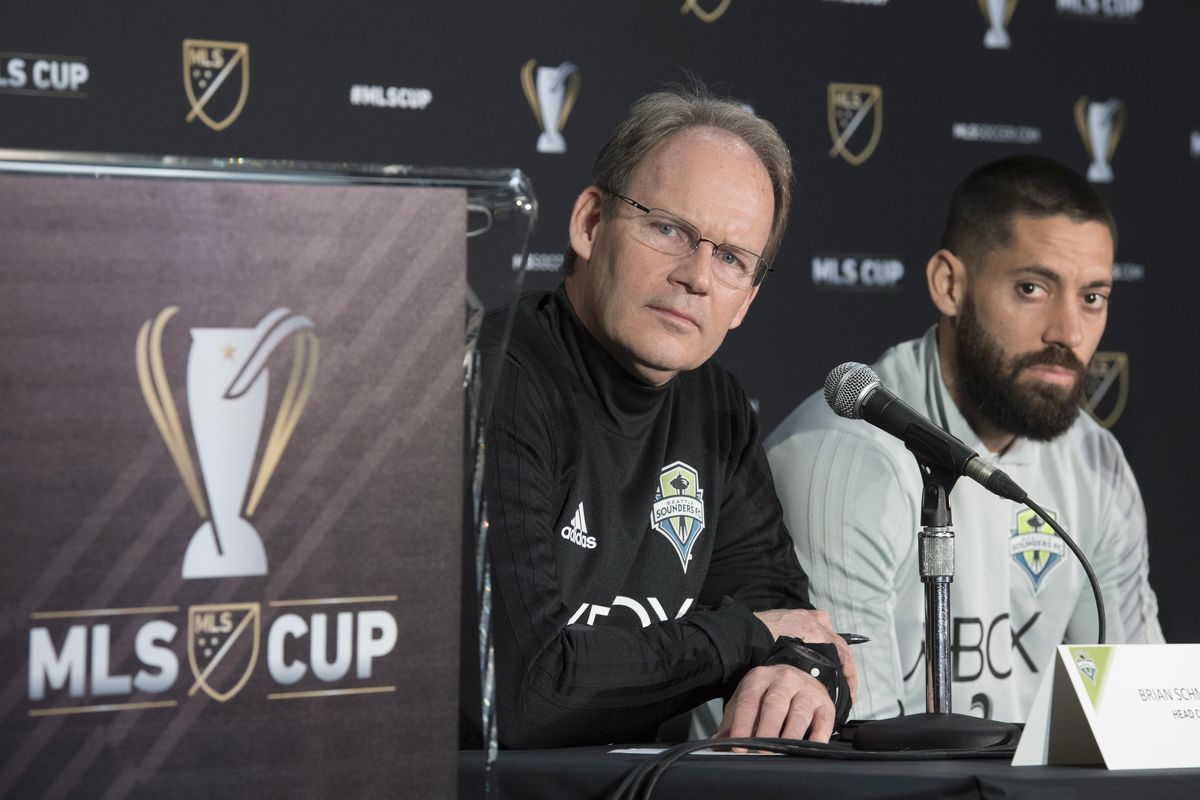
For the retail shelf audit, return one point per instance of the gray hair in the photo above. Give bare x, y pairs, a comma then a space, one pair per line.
655, 117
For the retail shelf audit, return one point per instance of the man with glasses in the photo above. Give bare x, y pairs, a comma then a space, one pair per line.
640, 565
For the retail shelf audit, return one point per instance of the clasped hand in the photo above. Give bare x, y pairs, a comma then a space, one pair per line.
781, 700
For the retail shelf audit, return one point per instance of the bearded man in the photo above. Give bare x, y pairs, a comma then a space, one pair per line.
1022, 283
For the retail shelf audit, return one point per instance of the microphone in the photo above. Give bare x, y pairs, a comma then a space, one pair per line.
853, 391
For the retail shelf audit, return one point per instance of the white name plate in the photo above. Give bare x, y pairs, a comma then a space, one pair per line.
1127, 706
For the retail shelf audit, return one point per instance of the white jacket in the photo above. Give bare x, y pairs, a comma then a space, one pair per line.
851, 498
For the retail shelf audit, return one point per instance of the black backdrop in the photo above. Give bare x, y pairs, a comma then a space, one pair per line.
945, 103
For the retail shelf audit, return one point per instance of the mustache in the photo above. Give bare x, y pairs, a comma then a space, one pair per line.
1050, 357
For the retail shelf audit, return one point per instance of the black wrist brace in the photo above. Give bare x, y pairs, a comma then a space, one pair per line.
820, 660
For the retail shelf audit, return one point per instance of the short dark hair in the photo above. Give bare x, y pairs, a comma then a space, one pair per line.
655, 117
984, 204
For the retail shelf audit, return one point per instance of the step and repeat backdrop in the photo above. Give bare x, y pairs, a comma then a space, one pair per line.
885, 104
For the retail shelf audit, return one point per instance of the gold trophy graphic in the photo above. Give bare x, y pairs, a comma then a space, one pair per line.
1100, 126
704, 14
551, 95
998, 13
227, 382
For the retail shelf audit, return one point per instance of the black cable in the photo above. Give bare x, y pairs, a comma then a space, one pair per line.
641, 780
1087, 567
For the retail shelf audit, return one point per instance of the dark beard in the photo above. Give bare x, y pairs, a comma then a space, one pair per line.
1040, 411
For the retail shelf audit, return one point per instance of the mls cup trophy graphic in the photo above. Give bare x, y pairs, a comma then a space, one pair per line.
1100, 125
551, 95
227, 386
704, 14
998, 13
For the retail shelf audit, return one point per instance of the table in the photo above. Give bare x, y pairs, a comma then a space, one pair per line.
593, 772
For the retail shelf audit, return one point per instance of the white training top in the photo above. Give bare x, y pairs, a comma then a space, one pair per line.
851, 497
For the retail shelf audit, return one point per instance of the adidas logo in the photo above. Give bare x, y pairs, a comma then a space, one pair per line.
576, 532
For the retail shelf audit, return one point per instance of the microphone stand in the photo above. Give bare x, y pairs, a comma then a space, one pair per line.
935, 554
938, 728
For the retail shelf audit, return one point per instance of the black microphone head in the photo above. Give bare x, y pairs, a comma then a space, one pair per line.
845, 387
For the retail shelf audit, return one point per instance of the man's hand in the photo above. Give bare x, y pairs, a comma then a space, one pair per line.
778, 701
811, 626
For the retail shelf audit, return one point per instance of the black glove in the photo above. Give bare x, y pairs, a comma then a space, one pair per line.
821, 661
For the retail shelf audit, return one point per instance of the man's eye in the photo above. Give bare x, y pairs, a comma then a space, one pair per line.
665, 229
729, 259
1095, 299
1028, 288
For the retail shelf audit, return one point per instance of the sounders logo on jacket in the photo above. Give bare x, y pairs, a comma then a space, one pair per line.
678, 510
1035, 547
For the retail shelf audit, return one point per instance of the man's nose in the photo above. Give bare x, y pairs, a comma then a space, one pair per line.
1065, 326
694, 270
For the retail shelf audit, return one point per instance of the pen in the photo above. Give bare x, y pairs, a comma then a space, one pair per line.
855, 638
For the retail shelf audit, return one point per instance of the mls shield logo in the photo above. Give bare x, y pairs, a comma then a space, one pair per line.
855, 114
222, 647
1107, 388
1035, 547
216, 78
678, 511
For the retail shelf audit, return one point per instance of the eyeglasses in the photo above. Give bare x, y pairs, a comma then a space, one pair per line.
660, 230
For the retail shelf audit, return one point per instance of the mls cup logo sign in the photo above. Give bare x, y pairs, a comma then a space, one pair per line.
1107, 388
998, 13
678, 510
703, 14
1100, 126
222, 647
850, 106
551, 92
216, 77
227, 380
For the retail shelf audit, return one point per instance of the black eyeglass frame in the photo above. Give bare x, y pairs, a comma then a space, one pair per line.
761, 269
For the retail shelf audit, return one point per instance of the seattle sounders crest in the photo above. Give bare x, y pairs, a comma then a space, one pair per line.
678, 511
1035, 547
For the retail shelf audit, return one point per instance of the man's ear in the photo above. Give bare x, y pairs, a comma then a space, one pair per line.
946, 275
585, 216
741, 314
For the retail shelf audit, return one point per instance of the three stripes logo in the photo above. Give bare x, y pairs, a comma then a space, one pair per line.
577, 532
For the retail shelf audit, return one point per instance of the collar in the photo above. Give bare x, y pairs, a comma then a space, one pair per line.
628, 406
